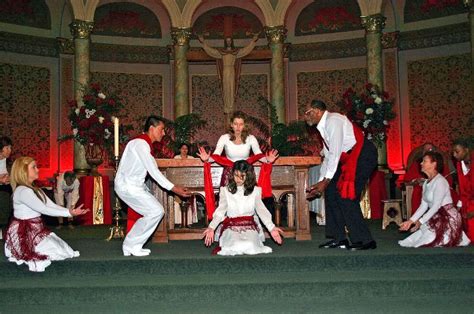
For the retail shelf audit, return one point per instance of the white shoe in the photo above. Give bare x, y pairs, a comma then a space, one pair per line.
146, 250
141, 252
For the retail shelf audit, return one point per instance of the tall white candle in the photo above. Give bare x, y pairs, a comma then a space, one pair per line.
116, 137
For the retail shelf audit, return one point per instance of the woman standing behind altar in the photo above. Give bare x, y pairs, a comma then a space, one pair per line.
436, 222
192, 211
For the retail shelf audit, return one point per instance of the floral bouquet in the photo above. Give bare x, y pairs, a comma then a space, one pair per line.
372, 111
92, 120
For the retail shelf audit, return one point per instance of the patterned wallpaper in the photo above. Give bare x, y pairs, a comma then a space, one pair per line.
25, 100
417, 10
142, 95
328, 86
441, 100
206, 100
28, 13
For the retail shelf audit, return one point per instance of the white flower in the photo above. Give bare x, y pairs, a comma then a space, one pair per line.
77, 111
107, 133
366, 123
385, 122
381, 136
74, 131
101, 119
369, 111
90, 113
101, 95
369, 137
378, 100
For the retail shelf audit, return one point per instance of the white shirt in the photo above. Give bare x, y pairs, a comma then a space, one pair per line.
3, 166
27, 205
136, 162
238, 205
435, 194
338, 134
71, 191
235, 152
179, 157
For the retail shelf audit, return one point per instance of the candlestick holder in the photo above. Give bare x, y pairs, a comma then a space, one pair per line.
116, 232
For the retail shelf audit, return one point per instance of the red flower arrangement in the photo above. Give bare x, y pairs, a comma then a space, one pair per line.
92, 118
372, 111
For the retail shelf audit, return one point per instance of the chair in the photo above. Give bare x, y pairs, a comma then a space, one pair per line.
392, 212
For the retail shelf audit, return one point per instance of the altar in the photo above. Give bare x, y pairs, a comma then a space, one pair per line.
289, 179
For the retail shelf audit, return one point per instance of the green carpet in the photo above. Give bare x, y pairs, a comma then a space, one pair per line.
297, 277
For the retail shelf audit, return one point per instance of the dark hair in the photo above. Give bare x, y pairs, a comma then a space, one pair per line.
436, 157
184, 144
250, 180
153, 121
5, 141
463, 142
69, 175
318, 104
245, 131
232, 46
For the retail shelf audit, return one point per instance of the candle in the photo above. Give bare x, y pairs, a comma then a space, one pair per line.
116, 137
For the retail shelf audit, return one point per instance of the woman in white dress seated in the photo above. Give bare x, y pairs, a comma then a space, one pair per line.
239, 201
436, 222
26, 239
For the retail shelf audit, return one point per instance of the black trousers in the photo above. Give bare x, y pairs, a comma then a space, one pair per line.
340, 212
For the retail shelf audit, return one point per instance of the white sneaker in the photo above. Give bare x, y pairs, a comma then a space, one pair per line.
141, 252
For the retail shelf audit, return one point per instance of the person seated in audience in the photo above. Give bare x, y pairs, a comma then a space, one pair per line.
239, 203
67, 186
416, 177
436, 222
5, 152
183, 152
462, 152
27, 241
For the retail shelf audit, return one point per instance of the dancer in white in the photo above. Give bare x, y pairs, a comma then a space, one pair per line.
436, 222
239, 202
27, 241
130, 186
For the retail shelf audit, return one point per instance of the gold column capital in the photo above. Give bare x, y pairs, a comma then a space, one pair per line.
467, 3
81, 29
373, 23
181, 35
65, 45
390, 40
275, 34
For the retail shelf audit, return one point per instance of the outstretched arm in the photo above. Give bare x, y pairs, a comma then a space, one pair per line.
247, 49
208, 49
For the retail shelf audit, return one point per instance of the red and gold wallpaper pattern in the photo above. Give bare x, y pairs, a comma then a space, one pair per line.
440, 100
25, 100
328, 86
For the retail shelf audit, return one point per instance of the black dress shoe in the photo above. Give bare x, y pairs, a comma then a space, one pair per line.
335, 244
359, 246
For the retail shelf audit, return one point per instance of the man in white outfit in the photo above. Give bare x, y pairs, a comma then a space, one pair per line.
130, 186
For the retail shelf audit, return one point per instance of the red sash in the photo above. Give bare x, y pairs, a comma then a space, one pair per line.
346, 182
22, 237
264, 180
133, 216
237, 224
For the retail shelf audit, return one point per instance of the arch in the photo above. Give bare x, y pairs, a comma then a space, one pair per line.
34, 13
244, 22
418, 10
126, 19
328, 16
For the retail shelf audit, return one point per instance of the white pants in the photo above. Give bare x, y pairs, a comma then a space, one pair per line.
146, 205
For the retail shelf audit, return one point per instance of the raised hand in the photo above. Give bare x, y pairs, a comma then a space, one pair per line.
78, 211
276, 235
208, 236
272, 155
203, 154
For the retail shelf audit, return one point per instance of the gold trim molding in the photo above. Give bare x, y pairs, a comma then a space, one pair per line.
373, 23
81, 29
276, 34
181, 35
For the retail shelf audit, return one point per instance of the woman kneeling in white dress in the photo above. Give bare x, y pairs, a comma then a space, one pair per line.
436, 222
26, 238
239, 201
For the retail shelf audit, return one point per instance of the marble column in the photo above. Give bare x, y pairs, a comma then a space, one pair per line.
181, 38
276, 37
470, 5
374, 25
81, 31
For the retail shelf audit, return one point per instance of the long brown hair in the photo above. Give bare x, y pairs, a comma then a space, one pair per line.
245, 131
19, 176
250, 180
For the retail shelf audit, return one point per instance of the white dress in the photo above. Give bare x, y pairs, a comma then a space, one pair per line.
435, 195
236, 152
26, 205
238, 205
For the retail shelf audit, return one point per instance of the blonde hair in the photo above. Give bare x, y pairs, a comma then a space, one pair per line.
19, 176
